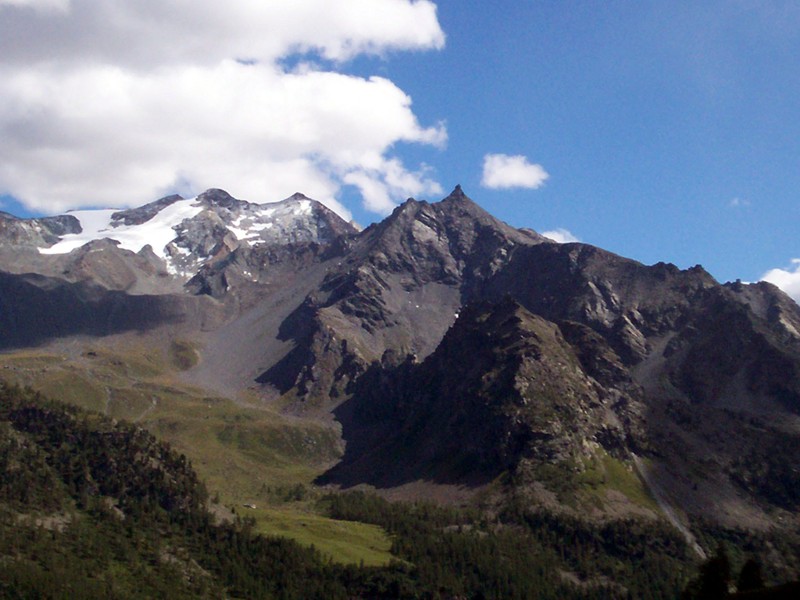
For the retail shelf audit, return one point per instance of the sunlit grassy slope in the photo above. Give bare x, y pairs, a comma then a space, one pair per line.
244, 451
345, 541
608, 473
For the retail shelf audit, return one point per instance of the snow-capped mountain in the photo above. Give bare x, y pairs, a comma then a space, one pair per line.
183, 234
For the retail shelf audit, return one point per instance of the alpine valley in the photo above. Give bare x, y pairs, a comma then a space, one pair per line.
442, 405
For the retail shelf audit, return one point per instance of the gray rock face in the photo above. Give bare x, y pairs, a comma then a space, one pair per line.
226, 225
142, 214
399, 286
504, 391
35, 233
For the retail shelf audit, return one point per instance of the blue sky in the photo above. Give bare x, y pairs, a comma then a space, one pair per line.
670, 131
667, 130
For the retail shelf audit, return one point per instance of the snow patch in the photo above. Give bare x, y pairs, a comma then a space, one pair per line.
250, 233
157, 232
238, 233
266, 212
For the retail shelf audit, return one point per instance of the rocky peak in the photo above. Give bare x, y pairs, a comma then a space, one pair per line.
215, 197
457, 194
460, 211
443, 241
402, 282
297, 196
142, 214
37, 232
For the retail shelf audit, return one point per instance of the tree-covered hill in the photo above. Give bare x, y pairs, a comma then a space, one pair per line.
91, 507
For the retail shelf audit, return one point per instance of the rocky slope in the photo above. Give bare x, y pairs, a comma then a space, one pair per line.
398, 288
504, 391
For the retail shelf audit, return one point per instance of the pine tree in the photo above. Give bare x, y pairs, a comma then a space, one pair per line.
715, 576
750, 577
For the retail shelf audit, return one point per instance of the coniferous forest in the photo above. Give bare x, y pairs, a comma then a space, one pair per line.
95, 508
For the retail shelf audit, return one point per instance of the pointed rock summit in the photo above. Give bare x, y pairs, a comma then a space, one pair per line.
457, 194
297, 196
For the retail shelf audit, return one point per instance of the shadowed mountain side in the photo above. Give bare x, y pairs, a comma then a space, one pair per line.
503, 392
36, 309
623, 300
718, 366
733, 357
299, 327
735, 345
722, 407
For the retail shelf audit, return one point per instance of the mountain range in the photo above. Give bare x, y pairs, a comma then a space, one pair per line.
448, 354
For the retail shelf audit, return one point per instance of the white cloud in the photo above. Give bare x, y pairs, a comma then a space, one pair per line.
123, 101
501, 171
786, 279
40, 5
560, 235
380, 186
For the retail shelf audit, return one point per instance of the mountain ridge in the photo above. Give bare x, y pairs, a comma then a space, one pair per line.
568, 357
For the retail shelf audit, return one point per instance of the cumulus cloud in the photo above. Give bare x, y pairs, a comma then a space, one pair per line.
106, 103
560, 235
501, 171
786, 279
381, 186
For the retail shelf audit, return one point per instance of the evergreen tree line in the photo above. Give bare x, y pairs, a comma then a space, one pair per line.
91, 507
715, 581
525, 554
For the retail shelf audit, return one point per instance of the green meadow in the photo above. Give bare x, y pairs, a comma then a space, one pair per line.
246, 454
